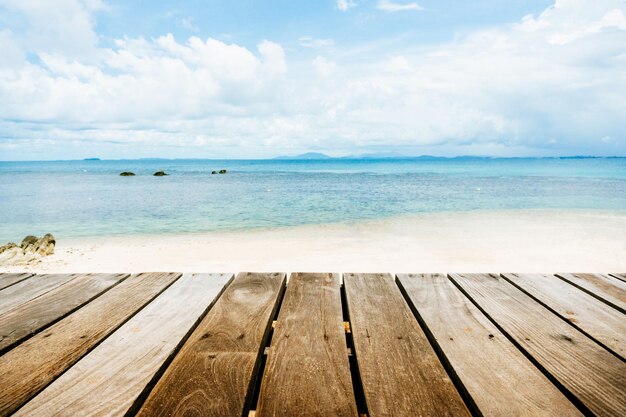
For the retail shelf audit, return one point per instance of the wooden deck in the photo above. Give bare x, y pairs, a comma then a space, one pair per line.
316, 344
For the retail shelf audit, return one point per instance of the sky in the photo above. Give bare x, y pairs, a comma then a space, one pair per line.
255, 79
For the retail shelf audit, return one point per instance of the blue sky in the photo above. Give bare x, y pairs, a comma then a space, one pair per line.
124, 79
245, 22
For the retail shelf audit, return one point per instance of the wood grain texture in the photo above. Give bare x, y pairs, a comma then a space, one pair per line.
32, 365
8, 279
307, 370
17, 294
583, 311
595, 377
605, 288
621, 277
214, 370
486, 362
28, 318
110, 378
400, 371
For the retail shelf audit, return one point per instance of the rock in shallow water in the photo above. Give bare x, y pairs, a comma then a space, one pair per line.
160, 174
127, 174
31, 249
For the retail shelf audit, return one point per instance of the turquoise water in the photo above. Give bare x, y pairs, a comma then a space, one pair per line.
89, 198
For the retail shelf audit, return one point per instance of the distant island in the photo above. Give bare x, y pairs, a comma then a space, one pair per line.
308, 155
311, 156
91, 159
382, 155
318, 155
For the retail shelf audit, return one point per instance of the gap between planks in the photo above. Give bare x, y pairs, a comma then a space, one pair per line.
590, 376
347, 330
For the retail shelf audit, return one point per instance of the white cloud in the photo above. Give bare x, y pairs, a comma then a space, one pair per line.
310, 42
274, 56
391, 6
323, 66
12, 54
61, 26
549, 84
344, 5
187, 23
142, 80
399, 64
613, 19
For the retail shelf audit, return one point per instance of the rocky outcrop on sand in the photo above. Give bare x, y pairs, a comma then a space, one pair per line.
31, 249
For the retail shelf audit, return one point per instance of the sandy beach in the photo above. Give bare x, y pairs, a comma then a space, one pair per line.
521, 241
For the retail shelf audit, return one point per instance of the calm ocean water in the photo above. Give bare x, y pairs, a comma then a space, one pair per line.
89, 198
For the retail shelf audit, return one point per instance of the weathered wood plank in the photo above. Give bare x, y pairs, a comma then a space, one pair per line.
26, 290
399, 369
8, 279
30, 317
214, 371
590, 373
500, 380
583, 311
110, 378
621, 277
606, 289
32, 365
307, 370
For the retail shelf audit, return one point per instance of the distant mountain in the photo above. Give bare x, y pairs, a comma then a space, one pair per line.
580, 157
308, 155
378, 155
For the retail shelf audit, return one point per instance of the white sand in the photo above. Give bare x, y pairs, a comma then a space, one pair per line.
521, 241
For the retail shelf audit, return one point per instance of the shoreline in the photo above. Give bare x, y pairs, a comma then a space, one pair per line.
370, 222
477, 241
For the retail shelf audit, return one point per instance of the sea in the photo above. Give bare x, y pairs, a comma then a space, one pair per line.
88, 198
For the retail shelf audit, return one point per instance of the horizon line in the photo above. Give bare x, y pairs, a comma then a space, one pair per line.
323, 157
